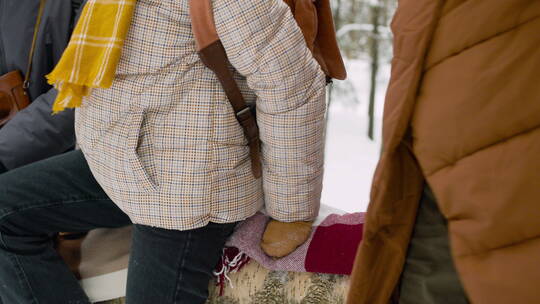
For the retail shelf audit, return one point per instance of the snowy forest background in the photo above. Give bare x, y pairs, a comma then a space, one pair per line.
355, 105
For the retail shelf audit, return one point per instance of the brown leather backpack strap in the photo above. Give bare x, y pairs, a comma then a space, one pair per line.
202, 23
26, 82
213, 55
215, 58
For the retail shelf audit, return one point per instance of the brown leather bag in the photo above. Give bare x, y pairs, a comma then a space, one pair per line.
13, 95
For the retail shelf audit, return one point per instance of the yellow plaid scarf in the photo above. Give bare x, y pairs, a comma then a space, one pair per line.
93, 52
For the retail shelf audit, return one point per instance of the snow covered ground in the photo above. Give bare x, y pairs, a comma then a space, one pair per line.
351, 156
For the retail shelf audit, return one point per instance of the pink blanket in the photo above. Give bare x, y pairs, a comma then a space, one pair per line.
331, 247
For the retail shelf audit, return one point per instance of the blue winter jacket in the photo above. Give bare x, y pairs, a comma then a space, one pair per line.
34, 134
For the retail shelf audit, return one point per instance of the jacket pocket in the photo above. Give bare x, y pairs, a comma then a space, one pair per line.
137, 168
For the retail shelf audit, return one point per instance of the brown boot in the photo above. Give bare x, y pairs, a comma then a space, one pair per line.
68, 246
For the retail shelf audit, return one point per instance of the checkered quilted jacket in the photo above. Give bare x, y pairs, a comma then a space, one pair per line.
163, 141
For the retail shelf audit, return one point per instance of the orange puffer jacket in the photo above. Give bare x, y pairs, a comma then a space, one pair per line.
462, 114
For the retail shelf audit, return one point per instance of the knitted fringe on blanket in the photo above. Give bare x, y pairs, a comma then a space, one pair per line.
232, 260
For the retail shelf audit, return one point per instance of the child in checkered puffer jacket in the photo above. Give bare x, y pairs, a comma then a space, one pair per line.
161, 148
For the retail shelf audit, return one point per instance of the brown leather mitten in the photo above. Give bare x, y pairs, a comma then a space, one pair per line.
280, 238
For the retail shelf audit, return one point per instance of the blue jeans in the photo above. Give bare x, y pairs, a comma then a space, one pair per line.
60, 194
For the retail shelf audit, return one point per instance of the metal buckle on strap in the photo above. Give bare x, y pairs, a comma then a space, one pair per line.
244, 110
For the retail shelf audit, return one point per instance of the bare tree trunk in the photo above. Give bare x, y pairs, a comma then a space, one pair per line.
337, 15
374, 54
